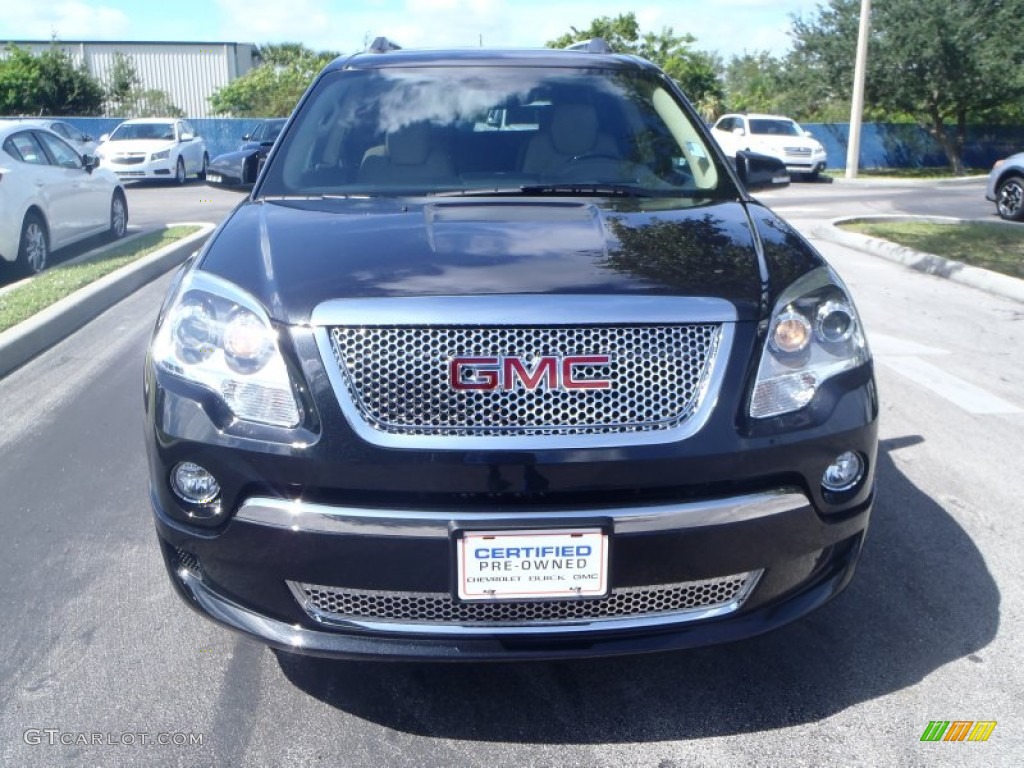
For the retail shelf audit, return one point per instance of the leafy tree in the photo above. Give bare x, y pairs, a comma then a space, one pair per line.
273, 87
19, 78
124, 84
939, 63
695, 71
49, 83
127, 96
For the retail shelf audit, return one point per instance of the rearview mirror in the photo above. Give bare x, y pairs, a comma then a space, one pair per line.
758, 171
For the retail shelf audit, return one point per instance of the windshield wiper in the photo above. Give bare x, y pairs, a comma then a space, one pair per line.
595, 189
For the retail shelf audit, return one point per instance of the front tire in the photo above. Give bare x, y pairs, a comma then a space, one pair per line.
1010, 198
179, 172
34, 247
118, 216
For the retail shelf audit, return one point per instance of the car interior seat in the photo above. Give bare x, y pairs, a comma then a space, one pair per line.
411, 153
573, 133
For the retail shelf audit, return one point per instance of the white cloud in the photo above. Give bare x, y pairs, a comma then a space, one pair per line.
727, 26
70, 20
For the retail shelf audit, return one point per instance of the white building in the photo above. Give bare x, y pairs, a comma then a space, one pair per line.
188, 72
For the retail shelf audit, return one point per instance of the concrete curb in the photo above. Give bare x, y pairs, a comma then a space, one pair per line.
867, 181
991, 282
24, 341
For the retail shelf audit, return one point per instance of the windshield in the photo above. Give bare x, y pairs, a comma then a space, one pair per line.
775, 127
461, 130
268, 130
128, 131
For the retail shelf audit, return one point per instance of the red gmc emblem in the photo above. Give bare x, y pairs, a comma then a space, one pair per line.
508, 373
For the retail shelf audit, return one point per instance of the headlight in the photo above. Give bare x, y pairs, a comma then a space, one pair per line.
217, 335
161, 155
814, 335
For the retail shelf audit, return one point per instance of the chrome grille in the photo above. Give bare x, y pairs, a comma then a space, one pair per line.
797, 151
128, 159
399, 382
341, 605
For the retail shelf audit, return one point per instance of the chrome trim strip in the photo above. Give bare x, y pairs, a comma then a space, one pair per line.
535, 627
522, 309
704, 404
304, 517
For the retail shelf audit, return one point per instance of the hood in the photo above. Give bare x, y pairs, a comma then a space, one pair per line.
129, 146
294, 254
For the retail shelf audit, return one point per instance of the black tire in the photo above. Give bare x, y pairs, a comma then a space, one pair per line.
180, 176
1010, 198
34, 246
118, 216
206, 164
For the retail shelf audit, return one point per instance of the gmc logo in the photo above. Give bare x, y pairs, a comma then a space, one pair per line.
507, 373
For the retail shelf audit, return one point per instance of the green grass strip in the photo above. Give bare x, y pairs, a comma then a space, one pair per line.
52, 285
989, 246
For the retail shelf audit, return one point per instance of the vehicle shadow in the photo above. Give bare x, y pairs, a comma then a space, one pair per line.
902, 617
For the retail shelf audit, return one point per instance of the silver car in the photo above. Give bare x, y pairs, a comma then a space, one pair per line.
1006, 187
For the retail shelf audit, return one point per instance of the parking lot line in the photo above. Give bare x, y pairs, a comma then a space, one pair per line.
957, 391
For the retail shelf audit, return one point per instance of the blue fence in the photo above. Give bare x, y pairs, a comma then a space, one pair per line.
899, 145
882, 145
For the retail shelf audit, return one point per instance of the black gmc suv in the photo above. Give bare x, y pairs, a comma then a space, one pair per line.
499, 360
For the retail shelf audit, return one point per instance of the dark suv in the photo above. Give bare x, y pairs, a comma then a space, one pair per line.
500, 360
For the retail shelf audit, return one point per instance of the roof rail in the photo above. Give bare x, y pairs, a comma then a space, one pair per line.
593, 45
382, 45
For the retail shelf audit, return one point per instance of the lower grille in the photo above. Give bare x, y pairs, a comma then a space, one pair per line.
697, 598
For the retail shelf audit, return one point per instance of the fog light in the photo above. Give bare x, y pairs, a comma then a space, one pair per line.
843, 473
194, 484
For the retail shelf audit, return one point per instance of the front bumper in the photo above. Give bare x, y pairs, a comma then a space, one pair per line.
244, 576
319, 509
150, 169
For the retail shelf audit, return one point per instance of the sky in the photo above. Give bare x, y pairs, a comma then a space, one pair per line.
728, 27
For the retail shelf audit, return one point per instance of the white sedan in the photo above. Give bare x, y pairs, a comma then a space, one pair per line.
154, 148
50, 197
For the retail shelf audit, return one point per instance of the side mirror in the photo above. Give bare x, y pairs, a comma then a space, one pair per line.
758, 171
90, 162
104, 137
246, 136
187, 137
808, 134
738, 132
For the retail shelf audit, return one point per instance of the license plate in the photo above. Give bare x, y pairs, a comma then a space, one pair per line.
215, 178
525, 565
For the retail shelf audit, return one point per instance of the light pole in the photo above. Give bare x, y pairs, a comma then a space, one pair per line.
857, 107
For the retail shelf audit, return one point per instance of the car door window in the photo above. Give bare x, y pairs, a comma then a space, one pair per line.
62, 154
26, 149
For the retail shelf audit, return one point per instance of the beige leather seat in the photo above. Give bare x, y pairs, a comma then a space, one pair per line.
412, 153
573, 133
